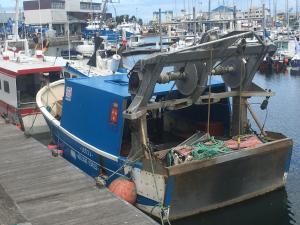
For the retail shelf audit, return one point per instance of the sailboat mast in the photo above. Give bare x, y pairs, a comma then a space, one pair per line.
209, 8
275, 11
297, 8
104, 10
16, 27
287, 16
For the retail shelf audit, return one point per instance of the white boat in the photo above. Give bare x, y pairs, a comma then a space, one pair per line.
104, 66
22, 74
129, 28
101, 62
87, 47
20, 79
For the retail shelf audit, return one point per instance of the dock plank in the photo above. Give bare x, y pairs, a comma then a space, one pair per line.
42, 190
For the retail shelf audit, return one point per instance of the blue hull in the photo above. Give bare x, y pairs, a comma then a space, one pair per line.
112, 36
93, 164
188, 188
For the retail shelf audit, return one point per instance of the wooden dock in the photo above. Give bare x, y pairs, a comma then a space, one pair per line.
38, 189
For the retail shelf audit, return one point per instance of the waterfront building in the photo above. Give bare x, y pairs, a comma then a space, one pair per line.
57, 14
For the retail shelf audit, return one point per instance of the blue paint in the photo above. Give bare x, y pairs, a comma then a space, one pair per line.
169, 191
288, 160
90, 109
86, 114
197, 114
146, 201
112, 36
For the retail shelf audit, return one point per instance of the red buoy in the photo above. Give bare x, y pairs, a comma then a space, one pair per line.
286, 60
125, 189
52, 147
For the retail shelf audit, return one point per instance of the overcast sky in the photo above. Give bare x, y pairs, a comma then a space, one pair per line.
144, 8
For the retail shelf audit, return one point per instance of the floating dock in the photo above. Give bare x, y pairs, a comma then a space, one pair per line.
38, 189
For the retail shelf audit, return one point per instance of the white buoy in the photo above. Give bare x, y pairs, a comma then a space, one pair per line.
115, 62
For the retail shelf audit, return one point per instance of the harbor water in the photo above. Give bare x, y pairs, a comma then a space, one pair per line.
281, 207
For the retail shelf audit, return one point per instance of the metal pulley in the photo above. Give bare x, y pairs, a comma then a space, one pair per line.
232, 77
186, 78
188, 85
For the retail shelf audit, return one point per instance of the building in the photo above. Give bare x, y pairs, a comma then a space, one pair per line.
58, 14
167, 16
256, 13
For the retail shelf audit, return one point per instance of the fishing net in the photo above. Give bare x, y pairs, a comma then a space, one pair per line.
209, 149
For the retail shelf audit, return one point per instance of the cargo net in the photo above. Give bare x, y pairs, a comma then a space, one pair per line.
209, 147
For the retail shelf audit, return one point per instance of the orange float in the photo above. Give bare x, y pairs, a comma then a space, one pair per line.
124, 189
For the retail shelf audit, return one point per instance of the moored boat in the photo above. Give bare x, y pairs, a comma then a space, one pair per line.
141, 127
20, 80
22, 73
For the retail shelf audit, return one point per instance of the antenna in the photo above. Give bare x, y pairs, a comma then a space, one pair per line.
16, 28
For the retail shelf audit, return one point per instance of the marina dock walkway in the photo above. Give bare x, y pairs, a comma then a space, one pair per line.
38, 189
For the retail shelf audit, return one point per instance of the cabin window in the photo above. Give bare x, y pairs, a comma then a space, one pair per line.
6, 86
0, 84
28, 86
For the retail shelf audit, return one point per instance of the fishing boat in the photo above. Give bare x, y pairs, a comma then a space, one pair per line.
86, 47
175, 136
130, 29
20, 81
295, 61
96, 26
22, 73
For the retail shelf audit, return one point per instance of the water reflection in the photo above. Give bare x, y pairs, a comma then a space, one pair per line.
271, 209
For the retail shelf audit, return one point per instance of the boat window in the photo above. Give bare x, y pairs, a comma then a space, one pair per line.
6, 86
28, 86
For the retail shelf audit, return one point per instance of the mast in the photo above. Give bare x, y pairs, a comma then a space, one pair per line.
287, 17
275, 11
209, 8
297, 8
16, 27
195, 24
264, 22
160, 30
104, 10
41, 27
270, 12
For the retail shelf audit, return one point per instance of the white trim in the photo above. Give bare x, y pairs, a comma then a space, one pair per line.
56, 123
9, 98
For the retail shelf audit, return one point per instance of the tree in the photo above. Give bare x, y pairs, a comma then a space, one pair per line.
140, 22
120, 19
132, 19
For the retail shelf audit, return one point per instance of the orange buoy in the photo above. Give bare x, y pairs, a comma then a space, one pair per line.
125, 189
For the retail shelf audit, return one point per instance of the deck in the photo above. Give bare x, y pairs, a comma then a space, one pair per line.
38, 189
